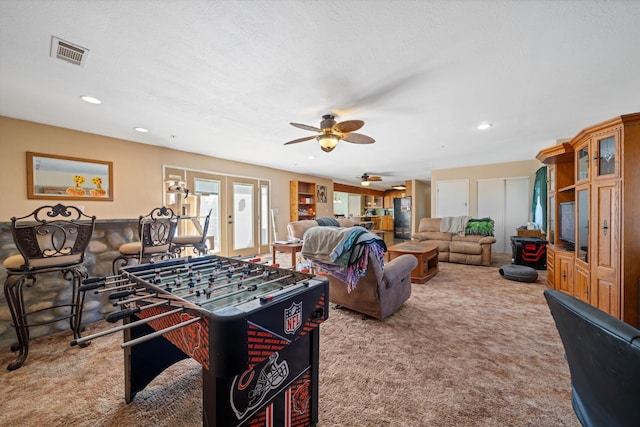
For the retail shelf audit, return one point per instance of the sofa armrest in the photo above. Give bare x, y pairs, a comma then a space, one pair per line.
397, 268
487, 239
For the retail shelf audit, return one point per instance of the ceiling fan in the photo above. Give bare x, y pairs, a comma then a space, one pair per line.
366, 179
330, 132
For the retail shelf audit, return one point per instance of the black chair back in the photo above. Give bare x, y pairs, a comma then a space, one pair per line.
157, 230
52, 236
603, 354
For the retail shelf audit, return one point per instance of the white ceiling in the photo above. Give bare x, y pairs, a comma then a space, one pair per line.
225, 78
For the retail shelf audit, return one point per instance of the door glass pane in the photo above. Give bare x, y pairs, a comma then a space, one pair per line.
242, 216
606, 156
583, 163
582, 248
209, 192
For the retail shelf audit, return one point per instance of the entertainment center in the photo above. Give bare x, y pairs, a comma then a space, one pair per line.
593, 226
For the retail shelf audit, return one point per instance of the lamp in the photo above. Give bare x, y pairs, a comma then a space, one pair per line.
364, 183
328, 141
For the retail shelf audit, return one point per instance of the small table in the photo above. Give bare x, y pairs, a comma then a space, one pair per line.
291, 248
425, 253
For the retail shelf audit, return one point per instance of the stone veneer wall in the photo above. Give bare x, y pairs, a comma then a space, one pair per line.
52, 289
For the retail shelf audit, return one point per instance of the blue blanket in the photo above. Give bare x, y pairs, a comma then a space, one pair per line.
327, 221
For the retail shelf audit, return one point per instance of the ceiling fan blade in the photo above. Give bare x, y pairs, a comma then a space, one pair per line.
358, 138
349, 126
306, 127
295, 141
375, 178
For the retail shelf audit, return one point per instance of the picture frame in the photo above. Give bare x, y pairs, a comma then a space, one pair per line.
321, 194
56, 177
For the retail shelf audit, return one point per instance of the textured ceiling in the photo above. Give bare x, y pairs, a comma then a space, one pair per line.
225, 78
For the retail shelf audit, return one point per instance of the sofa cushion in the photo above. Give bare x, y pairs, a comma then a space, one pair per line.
429, 224
432, 235
296, 229
465, 258
465, 248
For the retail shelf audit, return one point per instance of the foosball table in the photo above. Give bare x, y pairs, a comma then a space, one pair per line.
254, 329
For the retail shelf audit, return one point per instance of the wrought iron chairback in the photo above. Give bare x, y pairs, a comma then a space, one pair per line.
157, 230
52, 236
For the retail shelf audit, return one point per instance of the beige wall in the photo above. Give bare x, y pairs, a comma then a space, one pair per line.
137, 168
475, 173
421, 200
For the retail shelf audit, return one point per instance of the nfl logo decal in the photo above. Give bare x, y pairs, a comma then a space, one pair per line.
292, 318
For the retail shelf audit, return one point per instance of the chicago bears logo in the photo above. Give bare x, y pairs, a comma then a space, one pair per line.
292, 318
248, 390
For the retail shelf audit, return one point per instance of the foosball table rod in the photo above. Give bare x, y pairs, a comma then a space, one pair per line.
160, 332
123, 327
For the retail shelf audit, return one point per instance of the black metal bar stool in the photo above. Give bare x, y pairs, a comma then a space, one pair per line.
196, 241
50, 239
156, 231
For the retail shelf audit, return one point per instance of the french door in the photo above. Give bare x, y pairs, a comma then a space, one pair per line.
239, 224
248, 226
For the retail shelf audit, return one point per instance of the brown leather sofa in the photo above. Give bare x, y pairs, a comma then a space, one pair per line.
380, 292
467, 249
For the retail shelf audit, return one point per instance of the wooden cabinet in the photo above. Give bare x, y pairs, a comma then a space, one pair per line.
387, 223
302, 200
551, 267
564, 271
582, 286
389, 195
598, 171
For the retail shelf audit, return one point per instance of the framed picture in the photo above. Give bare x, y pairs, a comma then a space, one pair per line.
321, 194
54, 177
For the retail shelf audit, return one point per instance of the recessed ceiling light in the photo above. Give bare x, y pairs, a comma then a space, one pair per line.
91, 100
143, 130
484, 126
311, 157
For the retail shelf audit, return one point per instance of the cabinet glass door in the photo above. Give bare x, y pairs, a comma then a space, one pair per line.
582, 248
582, 163
606, 156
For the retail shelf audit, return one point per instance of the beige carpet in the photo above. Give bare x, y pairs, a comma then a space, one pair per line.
468, 349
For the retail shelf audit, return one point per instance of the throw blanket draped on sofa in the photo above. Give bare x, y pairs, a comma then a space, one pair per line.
342, 252
454, 224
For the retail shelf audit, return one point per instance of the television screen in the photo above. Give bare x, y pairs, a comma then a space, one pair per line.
567, 222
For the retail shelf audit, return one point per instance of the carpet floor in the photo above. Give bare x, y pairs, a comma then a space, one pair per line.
469, 348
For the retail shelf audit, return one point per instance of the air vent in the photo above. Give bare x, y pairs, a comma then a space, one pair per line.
68, 51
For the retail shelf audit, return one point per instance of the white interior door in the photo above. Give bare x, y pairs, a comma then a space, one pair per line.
452, 198
506, 201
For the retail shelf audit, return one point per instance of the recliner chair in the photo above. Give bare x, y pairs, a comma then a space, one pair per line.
381, 291
603, 354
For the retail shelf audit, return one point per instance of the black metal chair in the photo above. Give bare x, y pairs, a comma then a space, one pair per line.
156, 231
603, 354
196, 241
50, 239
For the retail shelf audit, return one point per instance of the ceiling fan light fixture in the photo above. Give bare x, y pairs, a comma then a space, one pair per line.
364, 183
328, 141
399, 187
